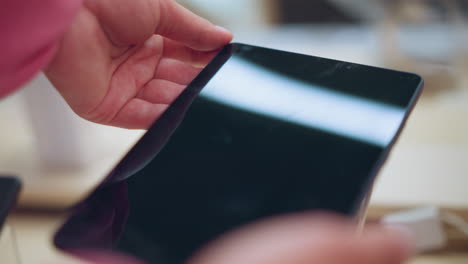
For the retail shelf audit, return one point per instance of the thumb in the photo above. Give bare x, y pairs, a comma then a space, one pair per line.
305, 239
132, 22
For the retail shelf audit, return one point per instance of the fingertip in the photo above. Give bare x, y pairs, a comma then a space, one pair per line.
393, 243
225, 32
211, 39
402, 238
181, 25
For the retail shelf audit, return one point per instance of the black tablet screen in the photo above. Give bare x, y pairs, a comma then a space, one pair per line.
258, 133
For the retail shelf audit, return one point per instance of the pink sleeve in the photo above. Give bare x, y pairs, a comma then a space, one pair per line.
30, 31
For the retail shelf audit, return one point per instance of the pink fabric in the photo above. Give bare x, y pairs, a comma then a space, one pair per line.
30, 31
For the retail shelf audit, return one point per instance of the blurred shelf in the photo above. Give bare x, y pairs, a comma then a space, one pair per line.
87, 151
429, 164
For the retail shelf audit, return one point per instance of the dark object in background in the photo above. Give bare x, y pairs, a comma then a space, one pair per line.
9, 190
303, 11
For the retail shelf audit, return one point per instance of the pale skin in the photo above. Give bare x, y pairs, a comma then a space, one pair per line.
308, 239
122, 62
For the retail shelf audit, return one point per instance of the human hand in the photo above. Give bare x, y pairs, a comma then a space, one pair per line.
308, 239
121, 62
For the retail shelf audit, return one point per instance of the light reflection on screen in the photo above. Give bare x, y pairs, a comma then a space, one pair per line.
247, 86
300, 133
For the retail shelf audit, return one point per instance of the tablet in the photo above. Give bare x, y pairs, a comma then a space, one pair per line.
258, 133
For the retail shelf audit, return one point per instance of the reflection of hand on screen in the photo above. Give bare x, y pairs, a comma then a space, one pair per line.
105, 212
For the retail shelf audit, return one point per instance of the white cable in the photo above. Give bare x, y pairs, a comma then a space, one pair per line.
456, 221
424, 224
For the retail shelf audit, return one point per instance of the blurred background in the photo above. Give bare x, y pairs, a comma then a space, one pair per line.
61, 157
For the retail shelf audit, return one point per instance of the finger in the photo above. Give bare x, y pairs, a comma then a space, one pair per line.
160, 92
280, 240
377, 246
126, 81
176, 71
303, 240
175, 50
387, 245
138, 114
181, 25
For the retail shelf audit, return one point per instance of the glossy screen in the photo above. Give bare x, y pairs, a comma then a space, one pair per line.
258, 133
